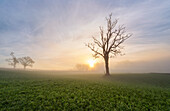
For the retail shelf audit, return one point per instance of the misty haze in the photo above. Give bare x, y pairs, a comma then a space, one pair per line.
84, 55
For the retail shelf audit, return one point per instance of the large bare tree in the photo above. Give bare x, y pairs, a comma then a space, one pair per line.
110, 41
26, 61
12, 61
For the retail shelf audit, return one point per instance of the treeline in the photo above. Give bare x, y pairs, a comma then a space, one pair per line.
25, 61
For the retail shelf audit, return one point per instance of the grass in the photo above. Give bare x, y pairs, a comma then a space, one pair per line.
50, 90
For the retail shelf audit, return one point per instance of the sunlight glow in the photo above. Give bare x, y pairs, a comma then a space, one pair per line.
91, 62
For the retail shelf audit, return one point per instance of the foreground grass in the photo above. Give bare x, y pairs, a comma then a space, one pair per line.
36, 90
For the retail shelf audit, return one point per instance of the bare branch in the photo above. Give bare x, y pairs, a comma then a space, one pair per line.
97, 42
92, 47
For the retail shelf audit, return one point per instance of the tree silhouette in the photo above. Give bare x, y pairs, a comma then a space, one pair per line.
12, 61
82, 67
109, 44
26, 61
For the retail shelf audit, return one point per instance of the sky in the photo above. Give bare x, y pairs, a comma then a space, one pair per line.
54, 32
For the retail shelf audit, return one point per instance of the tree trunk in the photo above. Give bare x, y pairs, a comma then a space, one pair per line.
106, 58
24, 67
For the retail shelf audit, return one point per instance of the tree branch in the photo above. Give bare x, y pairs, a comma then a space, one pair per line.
92, 47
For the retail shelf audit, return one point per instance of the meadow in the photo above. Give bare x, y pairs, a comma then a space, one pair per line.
62, 90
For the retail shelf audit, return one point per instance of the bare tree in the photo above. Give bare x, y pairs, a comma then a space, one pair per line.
26, 61
82, 67
109, 44
12, 61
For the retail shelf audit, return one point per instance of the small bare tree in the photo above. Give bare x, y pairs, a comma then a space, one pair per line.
26, 61
109, 44
82, 67
12, 61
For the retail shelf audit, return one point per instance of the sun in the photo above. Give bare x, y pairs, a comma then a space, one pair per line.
91, 62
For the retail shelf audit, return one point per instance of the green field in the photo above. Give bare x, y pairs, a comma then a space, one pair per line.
52, 90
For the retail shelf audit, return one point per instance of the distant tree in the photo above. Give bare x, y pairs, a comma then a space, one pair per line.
26, 61
12, 61
109, 44
82, 67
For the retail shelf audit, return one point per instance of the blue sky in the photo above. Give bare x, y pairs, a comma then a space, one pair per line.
53, 32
